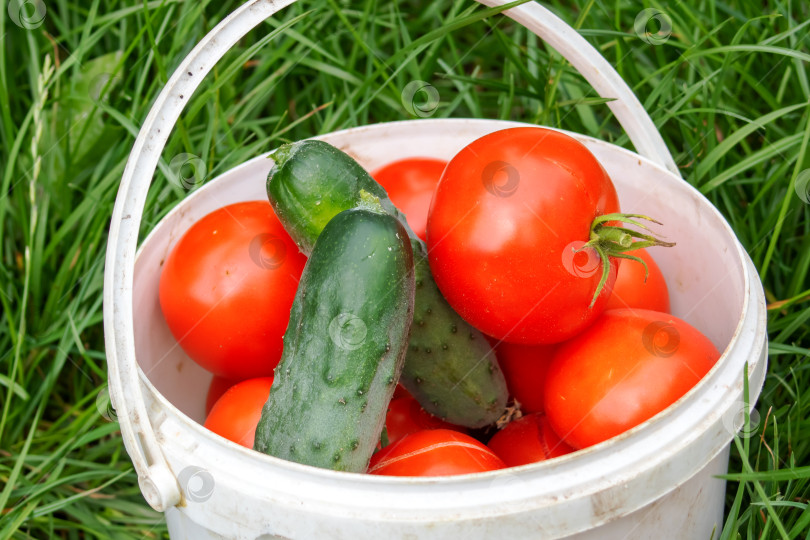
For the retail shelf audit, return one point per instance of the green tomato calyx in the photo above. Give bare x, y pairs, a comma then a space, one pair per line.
611, 240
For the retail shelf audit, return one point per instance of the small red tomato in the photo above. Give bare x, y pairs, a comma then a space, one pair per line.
406, 416
506, 229
632, 291
399, 391
526, 440
410, 184
434, 452
625, 368
525, 367
236, 414
227, 287
218, 386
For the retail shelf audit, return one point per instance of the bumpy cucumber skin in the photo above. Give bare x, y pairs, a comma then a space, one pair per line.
344, 347
462, 391
450, 367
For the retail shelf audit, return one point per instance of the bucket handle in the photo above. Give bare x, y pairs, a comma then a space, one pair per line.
158, 484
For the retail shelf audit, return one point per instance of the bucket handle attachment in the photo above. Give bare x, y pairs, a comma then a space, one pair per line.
158, 484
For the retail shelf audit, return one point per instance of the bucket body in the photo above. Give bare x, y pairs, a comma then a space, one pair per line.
656, 480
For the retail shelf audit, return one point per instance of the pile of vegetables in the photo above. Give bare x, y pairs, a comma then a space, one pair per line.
511, 314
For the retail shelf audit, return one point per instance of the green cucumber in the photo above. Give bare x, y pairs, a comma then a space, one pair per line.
344, 346
450, 367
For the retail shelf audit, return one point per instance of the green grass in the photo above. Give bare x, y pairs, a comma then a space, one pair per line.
728, 89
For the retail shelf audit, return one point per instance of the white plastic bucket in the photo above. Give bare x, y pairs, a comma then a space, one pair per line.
656, 480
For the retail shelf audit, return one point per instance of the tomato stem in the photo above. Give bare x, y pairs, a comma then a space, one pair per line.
609, 239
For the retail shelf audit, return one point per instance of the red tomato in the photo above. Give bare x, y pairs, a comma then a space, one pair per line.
410, 184
627, 367
525, 367
507, 217
399, 391
632, 291
526, 440
227, 288
218, 386
434, 452
406, 416
236, 414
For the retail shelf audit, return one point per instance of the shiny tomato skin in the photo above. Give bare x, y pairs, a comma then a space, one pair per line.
410, 183
434, 452
236, 414
406, 416
632, 291
227, 287
527, 439
218, 386
504, 223
625, 368
525, 367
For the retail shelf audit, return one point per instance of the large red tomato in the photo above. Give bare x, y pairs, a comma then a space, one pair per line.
410, 184
526, 440
434, 452
227, 287
627, 367
236, 414
507, 218
632, 291
525, 367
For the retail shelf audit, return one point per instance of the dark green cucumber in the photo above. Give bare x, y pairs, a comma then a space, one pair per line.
344, 346
450, 367
311, 182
